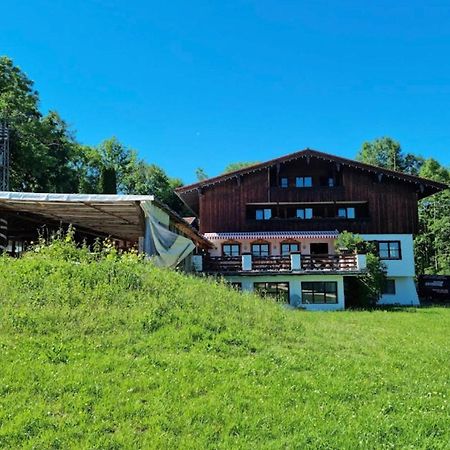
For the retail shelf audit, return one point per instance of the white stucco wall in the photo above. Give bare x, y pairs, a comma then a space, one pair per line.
400, 267
405, 293
401, 270
295, 291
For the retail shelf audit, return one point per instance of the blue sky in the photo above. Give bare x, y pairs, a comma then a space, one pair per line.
201, 84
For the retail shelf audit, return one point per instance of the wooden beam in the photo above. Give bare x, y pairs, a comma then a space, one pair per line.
107, 212
141, 216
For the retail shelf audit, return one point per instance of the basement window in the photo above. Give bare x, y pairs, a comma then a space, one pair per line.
279, 291
319, 292
236, 285
388, 287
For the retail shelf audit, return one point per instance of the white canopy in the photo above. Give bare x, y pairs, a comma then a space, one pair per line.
125, 217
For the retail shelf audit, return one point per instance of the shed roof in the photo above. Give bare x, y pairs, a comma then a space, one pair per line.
118, 216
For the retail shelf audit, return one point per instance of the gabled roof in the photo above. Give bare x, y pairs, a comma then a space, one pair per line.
425, 186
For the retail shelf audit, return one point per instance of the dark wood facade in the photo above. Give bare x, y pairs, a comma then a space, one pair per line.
383, 202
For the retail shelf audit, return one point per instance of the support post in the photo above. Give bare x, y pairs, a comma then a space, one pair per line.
197, 263
246, 261
296, 261
361, 262
141, 244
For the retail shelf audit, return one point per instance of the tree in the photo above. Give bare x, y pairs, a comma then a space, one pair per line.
238, 165
432, 244
200, 174
387, 153
365, 289
149, 179
41, 147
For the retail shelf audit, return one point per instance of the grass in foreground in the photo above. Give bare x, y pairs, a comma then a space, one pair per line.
114, 353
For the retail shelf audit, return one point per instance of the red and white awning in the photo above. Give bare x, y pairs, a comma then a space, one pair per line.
252, 235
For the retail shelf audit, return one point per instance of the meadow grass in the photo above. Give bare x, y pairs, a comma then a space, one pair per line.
109, 353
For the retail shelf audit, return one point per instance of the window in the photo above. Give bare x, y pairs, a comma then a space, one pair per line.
236, 285
304, 213
279, 291
284, 182
287, 248
231, 249
319, 292
346, 213
331, 182
263, 214
260, 250
388, 287
302, 182
389, 249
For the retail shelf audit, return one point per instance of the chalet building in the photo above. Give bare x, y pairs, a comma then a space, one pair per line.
273, 227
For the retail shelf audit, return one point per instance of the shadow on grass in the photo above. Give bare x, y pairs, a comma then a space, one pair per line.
400, 308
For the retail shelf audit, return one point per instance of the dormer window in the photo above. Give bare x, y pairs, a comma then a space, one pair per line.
304, 213
302, 182
346, 213
263, 214
284, 182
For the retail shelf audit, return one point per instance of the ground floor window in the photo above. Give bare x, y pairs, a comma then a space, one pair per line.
319, 292
388, 287
277, 290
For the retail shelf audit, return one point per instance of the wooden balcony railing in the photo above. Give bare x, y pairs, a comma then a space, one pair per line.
222, 264
303, 263
271, 263
328, 262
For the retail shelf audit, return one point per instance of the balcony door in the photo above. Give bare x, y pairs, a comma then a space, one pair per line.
319, 248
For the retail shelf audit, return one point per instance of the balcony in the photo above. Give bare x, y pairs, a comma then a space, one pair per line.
295, 263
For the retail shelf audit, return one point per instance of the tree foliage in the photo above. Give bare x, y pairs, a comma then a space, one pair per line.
41, 146
201, 174
368, 286
387, 153
238, 165
433, 241
45, 156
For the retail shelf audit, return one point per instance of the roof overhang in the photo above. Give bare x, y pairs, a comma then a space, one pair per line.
252, 235
189, 194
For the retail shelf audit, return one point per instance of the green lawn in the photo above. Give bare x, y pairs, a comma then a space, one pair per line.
117, 354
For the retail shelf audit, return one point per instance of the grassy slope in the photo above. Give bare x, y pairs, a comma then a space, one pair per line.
117, 354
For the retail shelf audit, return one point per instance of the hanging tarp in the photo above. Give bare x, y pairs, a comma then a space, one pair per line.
166, 248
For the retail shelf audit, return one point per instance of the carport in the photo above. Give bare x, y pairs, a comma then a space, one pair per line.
133, 220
